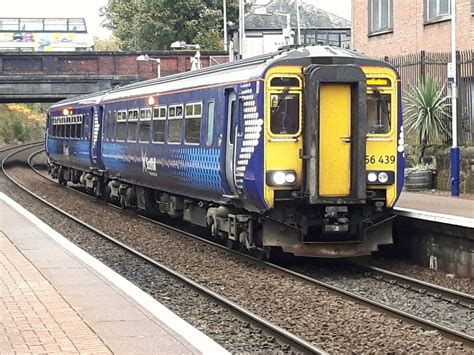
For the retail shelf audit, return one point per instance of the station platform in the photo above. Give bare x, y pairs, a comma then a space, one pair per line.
56, 298
443, 209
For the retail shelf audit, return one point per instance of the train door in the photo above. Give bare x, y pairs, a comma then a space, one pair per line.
96, 135
231, 116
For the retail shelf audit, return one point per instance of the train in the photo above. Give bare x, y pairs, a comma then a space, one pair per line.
298, 151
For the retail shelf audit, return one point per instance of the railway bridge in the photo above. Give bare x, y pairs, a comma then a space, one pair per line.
52, 76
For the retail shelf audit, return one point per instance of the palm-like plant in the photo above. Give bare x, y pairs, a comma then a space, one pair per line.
427, 111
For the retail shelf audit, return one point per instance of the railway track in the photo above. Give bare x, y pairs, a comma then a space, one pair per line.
417, 286
466, 339
281, 335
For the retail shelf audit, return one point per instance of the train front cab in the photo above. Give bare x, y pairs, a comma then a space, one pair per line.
334, 199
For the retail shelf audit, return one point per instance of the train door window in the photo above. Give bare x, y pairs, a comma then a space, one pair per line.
68, 127
80, 127
54, 128
159, 120
113, 127
378, 112
85, 131
210, 123
232, 121
106, 125
175, 121
121, 126
73, 126
285, 112
132, 125
145, 124
192, 123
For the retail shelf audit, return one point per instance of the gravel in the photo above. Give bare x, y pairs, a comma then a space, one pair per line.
327, 320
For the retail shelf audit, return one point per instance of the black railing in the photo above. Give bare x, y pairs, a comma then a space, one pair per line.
415, 67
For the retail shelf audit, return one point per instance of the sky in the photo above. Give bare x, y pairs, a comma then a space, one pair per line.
89, 9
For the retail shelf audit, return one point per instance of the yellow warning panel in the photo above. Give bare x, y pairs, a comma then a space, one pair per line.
334, 140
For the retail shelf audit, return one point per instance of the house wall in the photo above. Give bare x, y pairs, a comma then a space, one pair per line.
410, 34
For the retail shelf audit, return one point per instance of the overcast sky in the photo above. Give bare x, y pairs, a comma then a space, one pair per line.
89, 9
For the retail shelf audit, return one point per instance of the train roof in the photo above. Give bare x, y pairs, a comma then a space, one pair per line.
239, 71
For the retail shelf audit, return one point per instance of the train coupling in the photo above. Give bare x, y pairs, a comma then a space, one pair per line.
336, 219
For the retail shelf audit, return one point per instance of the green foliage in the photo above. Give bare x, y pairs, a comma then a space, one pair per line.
21, 123
155, 24
426, 112
110, 44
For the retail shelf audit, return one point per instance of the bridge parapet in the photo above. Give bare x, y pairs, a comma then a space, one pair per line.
51, 76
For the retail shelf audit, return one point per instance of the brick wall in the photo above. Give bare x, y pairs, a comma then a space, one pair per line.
100, 63
410, 34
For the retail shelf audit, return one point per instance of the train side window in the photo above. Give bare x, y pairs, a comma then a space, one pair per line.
121, 126
378, 113
132, 125
145, 124
85, 131
159, 120
68, 127
210, 123
175, 121
285, 113
192, 123
61, 130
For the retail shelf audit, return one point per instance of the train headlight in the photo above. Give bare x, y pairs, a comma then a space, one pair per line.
371, 177
281, 178
380, 177
383, 177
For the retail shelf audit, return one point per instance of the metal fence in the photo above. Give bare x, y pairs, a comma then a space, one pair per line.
415, 67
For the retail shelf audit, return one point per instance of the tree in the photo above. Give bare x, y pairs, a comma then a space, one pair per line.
427, 112
110, 44
155, 24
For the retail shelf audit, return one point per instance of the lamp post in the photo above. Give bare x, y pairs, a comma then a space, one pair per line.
452, 79
298, 26
241, 27
224, 15
146, 58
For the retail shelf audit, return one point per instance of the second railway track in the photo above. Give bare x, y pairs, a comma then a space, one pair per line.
456, 336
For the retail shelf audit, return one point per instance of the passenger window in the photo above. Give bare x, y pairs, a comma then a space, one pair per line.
159, 119
175, 119
285, 113
106, 125
86, 127
121, 126
378, 112
132, 125
210, 123
192, 123
145, 124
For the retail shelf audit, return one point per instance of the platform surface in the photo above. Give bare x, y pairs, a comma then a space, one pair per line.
454, 208
54, 301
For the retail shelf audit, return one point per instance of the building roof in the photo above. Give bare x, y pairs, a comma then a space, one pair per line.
265, 18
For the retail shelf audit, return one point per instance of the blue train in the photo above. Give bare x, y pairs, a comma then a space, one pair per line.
299, 150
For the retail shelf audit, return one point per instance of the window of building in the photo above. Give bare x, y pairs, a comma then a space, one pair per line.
55, 24
76, 25
192, 123
31, 24
121, 126
159, 120
210, 123
145, 125
437, 10
9, 24
380, 16
175, 121
132, 125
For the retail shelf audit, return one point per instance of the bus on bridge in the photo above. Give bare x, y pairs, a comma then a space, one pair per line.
44, 35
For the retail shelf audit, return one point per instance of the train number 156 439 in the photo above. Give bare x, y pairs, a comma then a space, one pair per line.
381, 159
